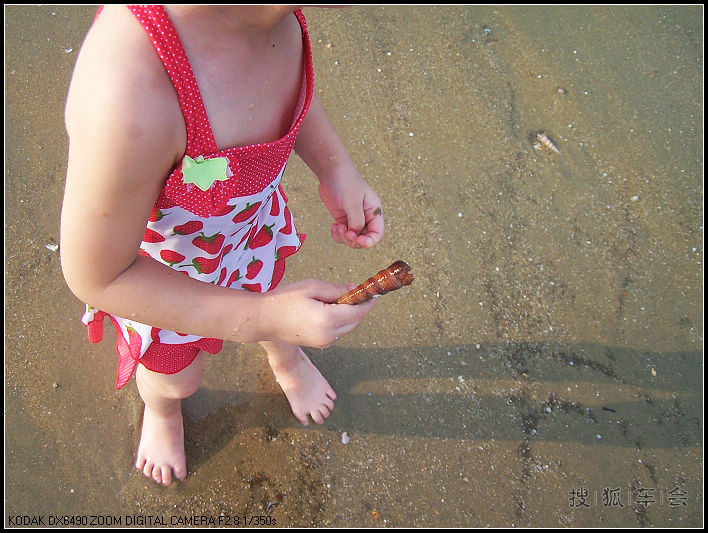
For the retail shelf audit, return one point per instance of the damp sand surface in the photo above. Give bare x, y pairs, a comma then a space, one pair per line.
544, 369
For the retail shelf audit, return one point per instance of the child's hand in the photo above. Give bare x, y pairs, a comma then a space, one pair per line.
303, 313
355, 207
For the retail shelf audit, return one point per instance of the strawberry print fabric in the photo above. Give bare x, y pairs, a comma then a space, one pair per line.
235, 234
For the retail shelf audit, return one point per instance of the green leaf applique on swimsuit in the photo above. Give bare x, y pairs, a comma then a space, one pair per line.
204, 172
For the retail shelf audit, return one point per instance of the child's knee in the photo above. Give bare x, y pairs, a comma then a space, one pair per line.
184, 388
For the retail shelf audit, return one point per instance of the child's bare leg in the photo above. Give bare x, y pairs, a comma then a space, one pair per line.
304, 386
161, 450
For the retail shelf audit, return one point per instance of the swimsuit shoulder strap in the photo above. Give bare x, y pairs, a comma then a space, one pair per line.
162, 33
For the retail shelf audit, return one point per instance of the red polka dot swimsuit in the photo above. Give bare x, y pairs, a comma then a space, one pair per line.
221, 217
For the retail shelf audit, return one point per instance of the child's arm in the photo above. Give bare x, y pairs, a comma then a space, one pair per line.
355, 207
126, 132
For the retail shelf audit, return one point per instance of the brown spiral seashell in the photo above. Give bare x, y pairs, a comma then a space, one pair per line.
394, 277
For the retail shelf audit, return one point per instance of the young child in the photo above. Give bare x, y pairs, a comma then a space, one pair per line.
180, 121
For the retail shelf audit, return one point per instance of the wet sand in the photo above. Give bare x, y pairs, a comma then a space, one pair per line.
545, 369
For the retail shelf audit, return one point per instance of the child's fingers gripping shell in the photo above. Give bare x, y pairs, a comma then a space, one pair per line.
349, 317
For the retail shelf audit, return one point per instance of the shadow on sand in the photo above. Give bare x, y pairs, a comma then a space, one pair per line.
588, 394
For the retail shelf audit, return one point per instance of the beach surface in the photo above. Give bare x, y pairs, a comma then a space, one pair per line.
545, 369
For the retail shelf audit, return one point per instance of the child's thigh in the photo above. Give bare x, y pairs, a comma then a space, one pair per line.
178, 385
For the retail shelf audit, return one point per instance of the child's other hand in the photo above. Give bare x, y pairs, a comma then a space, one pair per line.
303, 313
355, 207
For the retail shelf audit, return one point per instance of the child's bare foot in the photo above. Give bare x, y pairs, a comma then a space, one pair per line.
304, 386
161, 450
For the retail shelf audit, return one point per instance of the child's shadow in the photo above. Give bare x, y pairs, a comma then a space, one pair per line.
515, 391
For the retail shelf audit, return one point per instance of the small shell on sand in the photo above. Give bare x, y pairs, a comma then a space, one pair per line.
543, 141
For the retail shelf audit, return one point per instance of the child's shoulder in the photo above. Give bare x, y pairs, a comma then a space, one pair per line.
119, 80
